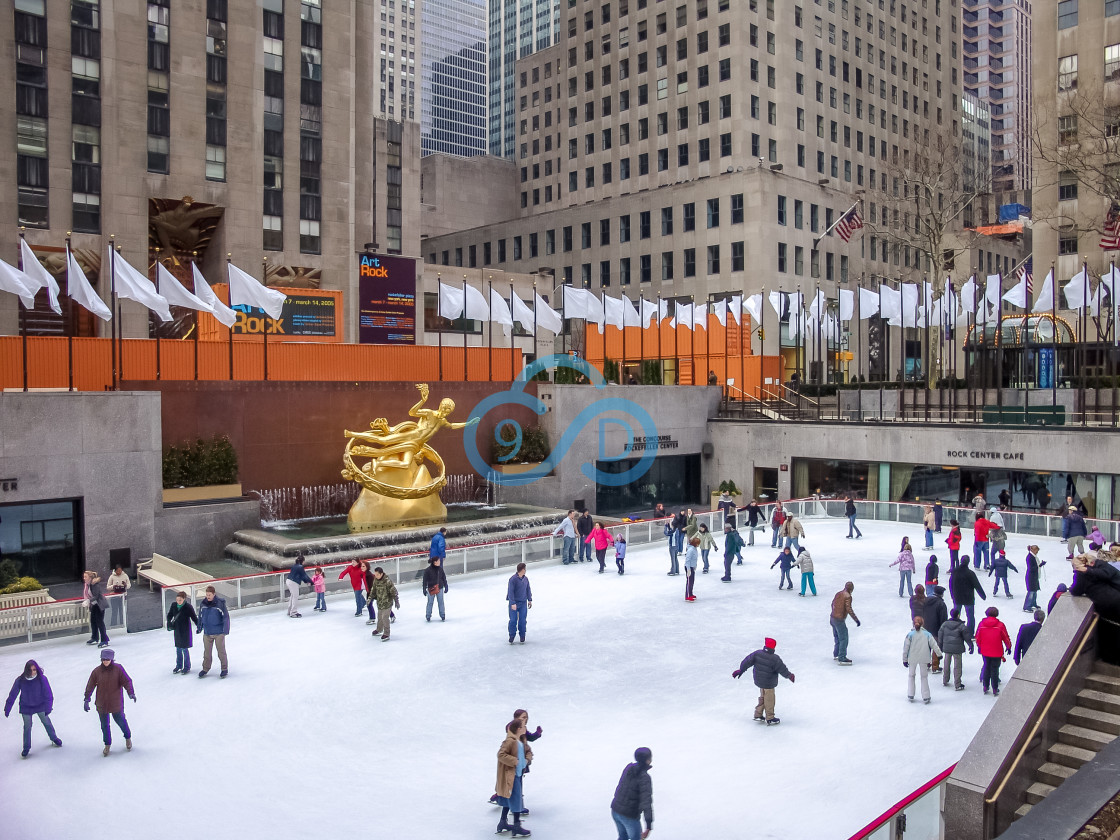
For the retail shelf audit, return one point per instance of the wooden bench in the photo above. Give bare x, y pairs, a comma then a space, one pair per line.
167, 572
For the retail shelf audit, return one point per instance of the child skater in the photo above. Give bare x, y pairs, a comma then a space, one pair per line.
620, 553
319, 583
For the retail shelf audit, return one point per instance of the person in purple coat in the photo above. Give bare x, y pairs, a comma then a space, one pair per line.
35, 698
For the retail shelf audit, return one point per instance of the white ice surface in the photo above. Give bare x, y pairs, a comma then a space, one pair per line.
322, 731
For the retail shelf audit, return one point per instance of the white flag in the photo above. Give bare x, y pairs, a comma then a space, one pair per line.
226, 316
753, 307
133, 285
735, 307
450, 302
847, 304
682, 315
817, 307
779, 302
246, 290
1017, 294
909, 305
650, 313
700, 317
993, 288
890, 305
499, 311
612, 311
796, 314
173, 292
968, 295
594, 309
868, 303
1077, 290
39, 275
719, 309
548, 318
522, 314
630, 317
79, 288
15, 281
475, 306
1045, 301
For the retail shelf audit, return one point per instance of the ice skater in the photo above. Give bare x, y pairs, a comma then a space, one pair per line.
519, 595
319, 584
768, 666
981, 529
567, 530
792, 531
384, 594
919, 651
633, 798
1000, 565
514, 756
850, 512
111, 682
905, 563
357, 578
671, 534
434, 585
97, 603
805, 563
964, 586
929, 523
523, 716
35, 700
838, 618
1033, 578
754, 516
690, 556
1027, 634
992, 640
708, 542
296, 575
181, 620
952, 637
620, 553
584, 526
213, 622
787, 561
931, 573
954, 543
600, 540
777, 519
732, 545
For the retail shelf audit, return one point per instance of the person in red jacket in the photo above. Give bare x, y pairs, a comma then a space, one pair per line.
954, 543
980, 549
992, 640
601, 540
357, 582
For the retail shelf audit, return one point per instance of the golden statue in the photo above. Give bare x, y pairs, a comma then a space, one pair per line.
398, 488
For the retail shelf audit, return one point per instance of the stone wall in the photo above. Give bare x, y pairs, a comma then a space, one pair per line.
199, 533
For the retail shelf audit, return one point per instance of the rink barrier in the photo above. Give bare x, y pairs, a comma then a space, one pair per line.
67, 617
918, 812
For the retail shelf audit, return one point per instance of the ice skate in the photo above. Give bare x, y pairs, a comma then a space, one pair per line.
503, 828
518, 831
105, 752
224, 674
371, 621
177, 670
773, 721
844, 660
128, 743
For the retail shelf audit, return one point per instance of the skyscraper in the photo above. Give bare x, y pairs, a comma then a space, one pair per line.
518, 28
453, 77
395, 32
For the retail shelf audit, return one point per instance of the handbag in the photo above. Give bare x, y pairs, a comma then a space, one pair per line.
433, 590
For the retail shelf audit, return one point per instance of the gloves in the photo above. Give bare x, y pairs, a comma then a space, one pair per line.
538, 732
905, 664
857, 623
87, 705
736, 673
793, 678
132, 697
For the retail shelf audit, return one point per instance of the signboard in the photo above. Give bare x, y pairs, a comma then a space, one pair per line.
386, 300
1046, 367
305, 315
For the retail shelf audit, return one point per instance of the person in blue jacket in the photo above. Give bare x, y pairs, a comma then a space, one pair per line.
213, 623
439, 546
296, 575
1000, 565
35, 698
519, 594
1027, 635
787, 560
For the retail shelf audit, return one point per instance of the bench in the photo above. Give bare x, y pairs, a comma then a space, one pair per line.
167, 572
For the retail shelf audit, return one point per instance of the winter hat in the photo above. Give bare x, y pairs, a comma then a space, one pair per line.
770, 643
939, 591
107, 653
801, 549
933, 558
644, 756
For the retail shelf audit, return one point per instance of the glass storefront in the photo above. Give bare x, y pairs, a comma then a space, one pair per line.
44, 538
673, 480
1041, 491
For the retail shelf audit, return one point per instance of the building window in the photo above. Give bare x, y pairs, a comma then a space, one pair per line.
273, 233
689, 223
1067, 241
713, 213
666, 221
781, 210
1067, 185
689, 262
1067, 13
737, 256
1067, 72
713, 259
782, 267
666, 266
1067, 129
737, 209
1112, 61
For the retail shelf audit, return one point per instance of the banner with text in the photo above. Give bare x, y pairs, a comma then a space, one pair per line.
387, 300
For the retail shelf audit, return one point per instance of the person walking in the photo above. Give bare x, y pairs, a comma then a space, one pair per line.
600, 540
932, 571
952, 638
964, 587
319, 584
805, 563
980, 532
792, 531
519, 594
919, 650
296, 575
584, 526
838, 618
777, 519
111, 682
181, 621
438, 547
929, 523
1033, 578
434, 585
850, 512
633, 798
35, 700
357, 578
754, 517
954, 543
213, 623
732, 545
934, 614
620, 553
94, 599
1027, 634
992, 640
768, 666
1000, 565
690, 557
384, 594
905, 563
708, 542
1075, 541
938, 513
567, 530
514, 756
787, 561
118, 585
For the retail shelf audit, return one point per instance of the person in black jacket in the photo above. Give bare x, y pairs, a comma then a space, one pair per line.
754, 516
1026, 635
850, 512
181, 617
1034, 578
584, 525
768, 666
680, 525
964, 587
1099, 581
633, 798
934, 614
434, 585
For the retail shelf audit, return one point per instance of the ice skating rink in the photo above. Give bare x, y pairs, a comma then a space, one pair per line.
322, 731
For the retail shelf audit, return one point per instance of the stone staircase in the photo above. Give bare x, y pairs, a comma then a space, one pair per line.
1091, 724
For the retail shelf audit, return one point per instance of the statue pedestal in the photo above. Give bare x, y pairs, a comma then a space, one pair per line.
374, 512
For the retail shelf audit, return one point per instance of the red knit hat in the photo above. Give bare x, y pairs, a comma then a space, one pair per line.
770, 643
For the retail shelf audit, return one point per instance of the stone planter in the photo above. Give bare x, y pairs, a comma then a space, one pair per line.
515, 469
195, 494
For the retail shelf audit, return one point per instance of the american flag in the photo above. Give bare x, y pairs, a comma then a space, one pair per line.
1026, 271
1111, 239
850, 222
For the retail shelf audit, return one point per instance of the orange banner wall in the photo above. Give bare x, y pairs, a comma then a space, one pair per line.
209, 329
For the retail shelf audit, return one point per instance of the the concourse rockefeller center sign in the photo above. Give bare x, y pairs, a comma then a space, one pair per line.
386, 300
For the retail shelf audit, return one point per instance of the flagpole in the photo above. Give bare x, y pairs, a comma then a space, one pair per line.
70, 326
859, 343
622, 364
439, 326
535, 352
999, 344
466, 375
264, 317
839, 219
642, 337
113, 303
490, 327
1084, 329
197, 317
707, 336
676, 340
1054, 334
950, 330
229, 295
158, 360
1113, 325
512, 339
762, 340
657, 318
817, 349
22, 312
742, 354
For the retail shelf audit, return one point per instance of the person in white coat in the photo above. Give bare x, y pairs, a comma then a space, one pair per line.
918, 650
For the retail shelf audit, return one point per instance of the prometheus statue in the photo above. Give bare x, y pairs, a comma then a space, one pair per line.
402, 474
